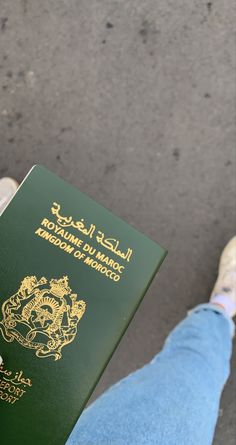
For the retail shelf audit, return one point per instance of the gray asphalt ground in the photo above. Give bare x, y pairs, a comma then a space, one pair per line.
133, 103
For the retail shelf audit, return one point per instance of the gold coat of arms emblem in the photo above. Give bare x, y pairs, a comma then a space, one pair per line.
42, 315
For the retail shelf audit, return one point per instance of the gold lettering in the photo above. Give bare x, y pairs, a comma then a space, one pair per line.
9, 392
54, 240
110, 262
97, 260
45, 222
69, 249
78, 254
100, 268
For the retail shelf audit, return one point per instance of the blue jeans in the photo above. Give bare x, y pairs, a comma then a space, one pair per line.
174, 399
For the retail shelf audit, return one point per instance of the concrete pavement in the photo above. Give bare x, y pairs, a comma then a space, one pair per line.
133, 103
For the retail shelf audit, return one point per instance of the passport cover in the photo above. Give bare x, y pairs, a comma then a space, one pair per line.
72, 275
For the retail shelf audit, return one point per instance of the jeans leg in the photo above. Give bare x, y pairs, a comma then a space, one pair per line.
174, 399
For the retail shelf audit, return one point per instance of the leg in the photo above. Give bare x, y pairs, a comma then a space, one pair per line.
172, 400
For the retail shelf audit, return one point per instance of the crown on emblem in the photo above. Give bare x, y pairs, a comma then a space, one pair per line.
60, 287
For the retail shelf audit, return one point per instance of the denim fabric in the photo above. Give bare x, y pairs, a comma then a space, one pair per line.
174, 399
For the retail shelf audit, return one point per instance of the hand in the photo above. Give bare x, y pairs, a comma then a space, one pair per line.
1, 360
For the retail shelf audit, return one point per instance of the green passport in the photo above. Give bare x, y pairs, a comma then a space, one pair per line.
71, 278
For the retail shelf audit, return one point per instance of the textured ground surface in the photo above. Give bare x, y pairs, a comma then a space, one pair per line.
133, 102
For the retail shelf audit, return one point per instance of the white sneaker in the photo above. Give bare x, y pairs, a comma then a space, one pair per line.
8, 187
224, 291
